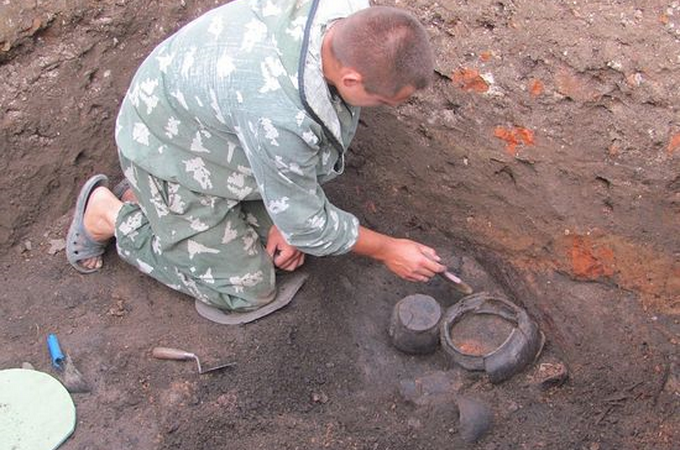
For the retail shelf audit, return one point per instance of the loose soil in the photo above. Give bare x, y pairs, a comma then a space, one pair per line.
480, 334
542, 165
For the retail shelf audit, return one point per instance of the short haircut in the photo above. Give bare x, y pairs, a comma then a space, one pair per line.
387, 46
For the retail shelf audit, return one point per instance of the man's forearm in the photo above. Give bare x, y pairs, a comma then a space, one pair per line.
408, 259
372, 244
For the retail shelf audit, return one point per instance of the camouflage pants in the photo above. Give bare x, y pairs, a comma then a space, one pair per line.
208, 247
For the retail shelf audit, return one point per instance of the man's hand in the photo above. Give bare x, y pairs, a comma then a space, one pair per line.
412, 261
406, 258
285, 256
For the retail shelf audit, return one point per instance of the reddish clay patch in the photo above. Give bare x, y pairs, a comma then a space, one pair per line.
473, 348
514, 137
589, 260
536, 87
655, 275
485, 56
674, 144
470, 80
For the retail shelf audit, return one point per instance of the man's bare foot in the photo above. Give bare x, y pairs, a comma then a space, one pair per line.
100, 220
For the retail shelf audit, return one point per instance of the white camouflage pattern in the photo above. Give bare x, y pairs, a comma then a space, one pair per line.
214, 121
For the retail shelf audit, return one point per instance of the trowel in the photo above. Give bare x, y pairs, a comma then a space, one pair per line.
181, 355
70, 376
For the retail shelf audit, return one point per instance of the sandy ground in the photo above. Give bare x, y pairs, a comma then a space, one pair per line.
543, 165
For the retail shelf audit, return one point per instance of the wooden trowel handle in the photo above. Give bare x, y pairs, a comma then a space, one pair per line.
171, 353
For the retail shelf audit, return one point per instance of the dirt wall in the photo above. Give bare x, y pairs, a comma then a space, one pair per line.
553, 136
64, 68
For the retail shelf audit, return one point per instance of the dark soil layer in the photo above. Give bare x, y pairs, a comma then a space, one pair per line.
543, 164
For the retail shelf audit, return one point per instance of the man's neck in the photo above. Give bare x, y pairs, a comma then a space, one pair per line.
329, 63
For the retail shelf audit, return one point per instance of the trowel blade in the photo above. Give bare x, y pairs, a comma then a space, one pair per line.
216, 368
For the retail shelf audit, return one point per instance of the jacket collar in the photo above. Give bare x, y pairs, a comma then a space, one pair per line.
314, 91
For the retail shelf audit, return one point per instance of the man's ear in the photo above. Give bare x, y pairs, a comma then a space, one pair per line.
351, 78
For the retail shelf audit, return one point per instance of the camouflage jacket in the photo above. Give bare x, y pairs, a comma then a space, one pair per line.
235, 105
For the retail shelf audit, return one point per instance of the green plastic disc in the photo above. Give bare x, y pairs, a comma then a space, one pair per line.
36, 411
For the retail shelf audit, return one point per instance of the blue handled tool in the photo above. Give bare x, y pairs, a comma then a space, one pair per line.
70, 376
56, 354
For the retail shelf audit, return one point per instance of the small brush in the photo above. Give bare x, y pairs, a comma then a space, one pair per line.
70, 376
455, 282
